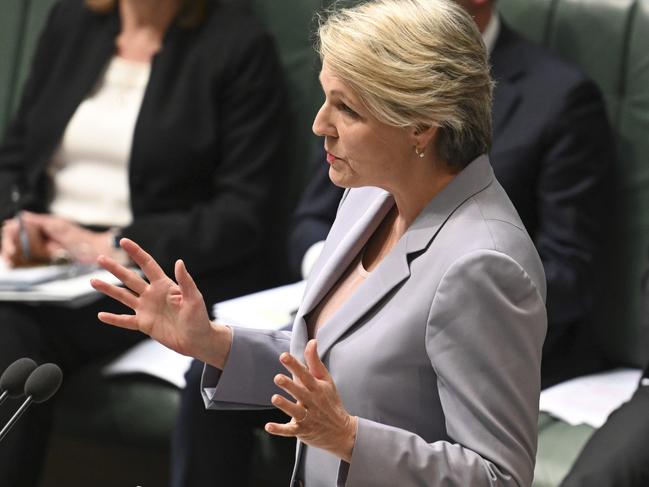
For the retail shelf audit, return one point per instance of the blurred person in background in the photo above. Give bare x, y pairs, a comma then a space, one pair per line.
161, 120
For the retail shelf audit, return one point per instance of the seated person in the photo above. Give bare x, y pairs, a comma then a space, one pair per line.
155, 119
616, 455
427, 302
552, 151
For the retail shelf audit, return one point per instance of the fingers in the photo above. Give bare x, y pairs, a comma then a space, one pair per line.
120, 294
296, 390
299, 371
129, 278
9, 240
287, 429
185, 281
313, 362
143, 260
122, 321
294, 410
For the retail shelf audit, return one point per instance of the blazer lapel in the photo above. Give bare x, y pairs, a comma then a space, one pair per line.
336, 263
395, 267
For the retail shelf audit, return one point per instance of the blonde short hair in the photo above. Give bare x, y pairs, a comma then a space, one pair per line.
415, 63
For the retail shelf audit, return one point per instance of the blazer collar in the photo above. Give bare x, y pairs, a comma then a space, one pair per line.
394, 268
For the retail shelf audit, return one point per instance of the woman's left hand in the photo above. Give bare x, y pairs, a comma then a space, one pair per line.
318, 418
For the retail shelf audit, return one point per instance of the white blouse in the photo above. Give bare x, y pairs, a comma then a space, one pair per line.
89, 170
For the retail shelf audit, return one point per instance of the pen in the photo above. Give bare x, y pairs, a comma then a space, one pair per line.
22, 230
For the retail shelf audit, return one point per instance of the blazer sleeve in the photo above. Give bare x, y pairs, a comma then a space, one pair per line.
484, 335
572, 201
246, 382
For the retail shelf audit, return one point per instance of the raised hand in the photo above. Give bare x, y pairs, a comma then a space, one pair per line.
318, 417
172, 313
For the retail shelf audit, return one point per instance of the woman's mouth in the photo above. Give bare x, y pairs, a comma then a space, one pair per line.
331, 158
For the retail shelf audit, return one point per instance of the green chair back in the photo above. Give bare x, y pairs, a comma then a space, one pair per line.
608, 39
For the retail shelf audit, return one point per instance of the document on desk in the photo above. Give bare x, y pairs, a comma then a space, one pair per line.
67, 285
26, 277
150, 358
591, 398
271, 309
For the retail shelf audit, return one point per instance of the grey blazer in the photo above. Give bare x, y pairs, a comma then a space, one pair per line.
438, 352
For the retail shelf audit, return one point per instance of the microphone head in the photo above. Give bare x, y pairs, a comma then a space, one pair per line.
43, 382
14, 377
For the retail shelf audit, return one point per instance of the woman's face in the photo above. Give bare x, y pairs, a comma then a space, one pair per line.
361, 151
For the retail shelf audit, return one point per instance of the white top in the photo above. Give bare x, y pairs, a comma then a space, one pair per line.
89, 170
491, 32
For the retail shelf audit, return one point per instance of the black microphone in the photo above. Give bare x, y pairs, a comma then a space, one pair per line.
12, 381
41, 384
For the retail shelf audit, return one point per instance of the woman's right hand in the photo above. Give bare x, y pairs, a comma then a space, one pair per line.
40, 249
172, 313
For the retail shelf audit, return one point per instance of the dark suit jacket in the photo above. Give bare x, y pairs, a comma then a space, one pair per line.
207, 135
551, 151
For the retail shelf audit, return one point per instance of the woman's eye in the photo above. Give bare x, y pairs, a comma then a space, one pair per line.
348, 110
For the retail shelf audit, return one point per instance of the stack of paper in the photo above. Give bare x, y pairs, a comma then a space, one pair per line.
67, 285
271, 309
590, 399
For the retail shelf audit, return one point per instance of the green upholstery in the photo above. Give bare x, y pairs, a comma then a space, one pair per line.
11, 31
558, 449
609, 40
36, 15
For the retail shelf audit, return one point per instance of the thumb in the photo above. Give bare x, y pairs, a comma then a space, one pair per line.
185, 281
313, 362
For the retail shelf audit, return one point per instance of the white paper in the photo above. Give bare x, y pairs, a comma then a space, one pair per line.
72, 291
26, 277
590, 399
151, 358
271, 309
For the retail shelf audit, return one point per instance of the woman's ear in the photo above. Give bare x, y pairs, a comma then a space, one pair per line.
422, 137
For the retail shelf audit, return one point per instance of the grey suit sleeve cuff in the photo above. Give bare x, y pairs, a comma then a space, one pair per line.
246, 382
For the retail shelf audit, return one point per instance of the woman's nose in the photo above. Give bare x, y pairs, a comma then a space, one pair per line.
322, 124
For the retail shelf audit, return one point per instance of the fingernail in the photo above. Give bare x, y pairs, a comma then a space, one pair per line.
284, 357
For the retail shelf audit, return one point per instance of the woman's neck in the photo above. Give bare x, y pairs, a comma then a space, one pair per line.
413, 193
144, 23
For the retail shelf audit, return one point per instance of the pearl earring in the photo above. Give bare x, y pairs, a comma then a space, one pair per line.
420, 154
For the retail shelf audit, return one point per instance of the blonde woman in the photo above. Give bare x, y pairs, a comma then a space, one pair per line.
414, 358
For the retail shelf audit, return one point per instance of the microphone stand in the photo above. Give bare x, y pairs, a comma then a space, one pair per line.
15, 417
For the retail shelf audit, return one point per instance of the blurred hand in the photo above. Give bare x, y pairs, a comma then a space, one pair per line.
11, 250
63, 237
171, 313
318, 416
